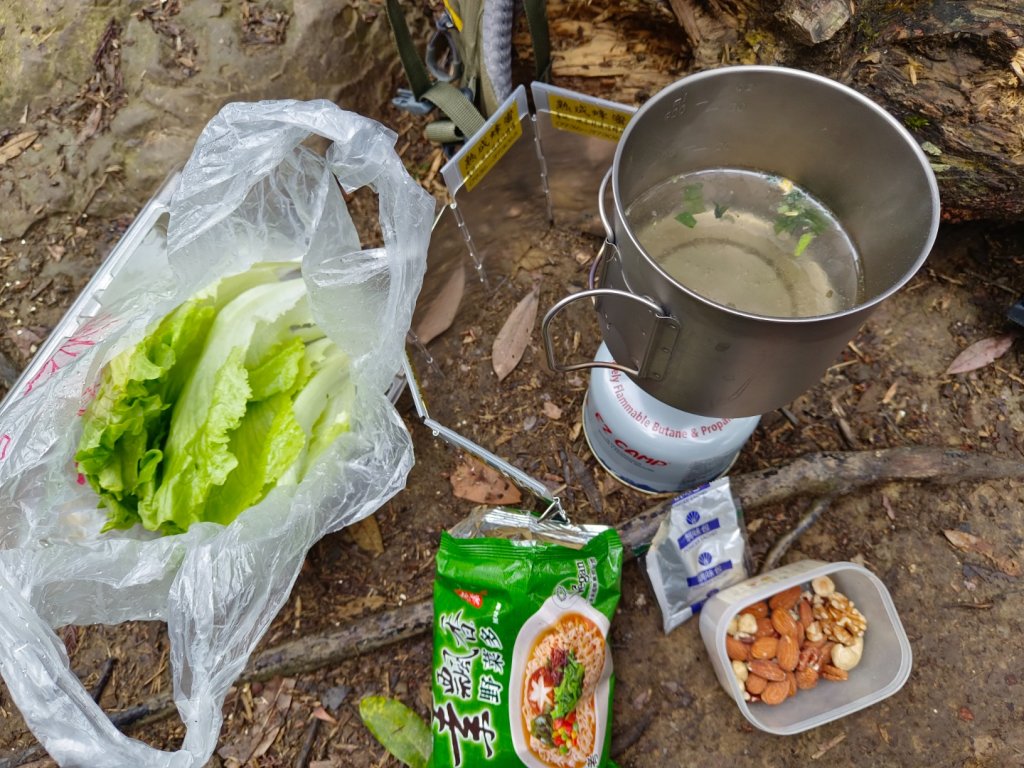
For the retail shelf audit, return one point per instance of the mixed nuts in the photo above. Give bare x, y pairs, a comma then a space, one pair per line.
795, 638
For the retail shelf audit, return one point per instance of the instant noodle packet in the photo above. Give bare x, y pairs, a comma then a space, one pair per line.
522, 663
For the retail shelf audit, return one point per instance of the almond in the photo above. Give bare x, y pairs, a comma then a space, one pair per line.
775, 692
806, 613
806, 678
755, 684
785, 600
736, 650
769, 670
791, 680
835, 674
764, 648
757, 610
783, 623
788, 652
765, 628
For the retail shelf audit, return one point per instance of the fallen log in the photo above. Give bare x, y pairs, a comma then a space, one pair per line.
951, 71
816, 475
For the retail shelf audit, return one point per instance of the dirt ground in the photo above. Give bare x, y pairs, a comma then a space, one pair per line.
963, 703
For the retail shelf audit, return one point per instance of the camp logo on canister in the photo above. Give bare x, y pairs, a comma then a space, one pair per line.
651, 446
525, 678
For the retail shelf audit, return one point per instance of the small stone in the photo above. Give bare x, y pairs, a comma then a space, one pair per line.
335, 697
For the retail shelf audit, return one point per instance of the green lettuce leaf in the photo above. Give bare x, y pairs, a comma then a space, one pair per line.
231, 393
119, 453
323, 407
213, 402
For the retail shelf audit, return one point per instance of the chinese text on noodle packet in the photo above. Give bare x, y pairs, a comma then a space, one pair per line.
522, 665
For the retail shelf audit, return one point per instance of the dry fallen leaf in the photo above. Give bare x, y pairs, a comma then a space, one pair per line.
888, 508
439, 313
482, 484
533, 259
91, 125
269, 716
321, 714
17, 145
511, 341
981, 353
968, 542
366, 534
552, 411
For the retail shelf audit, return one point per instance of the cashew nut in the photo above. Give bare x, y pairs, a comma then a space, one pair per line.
748, 624
846, 657
740, 670
734, 626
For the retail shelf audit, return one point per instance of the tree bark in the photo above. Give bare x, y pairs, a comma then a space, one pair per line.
952, 71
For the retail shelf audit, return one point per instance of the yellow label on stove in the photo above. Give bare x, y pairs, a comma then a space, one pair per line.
490, 145
587, 117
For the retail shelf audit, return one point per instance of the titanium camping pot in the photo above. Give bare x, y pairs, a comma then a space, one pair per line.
704, 357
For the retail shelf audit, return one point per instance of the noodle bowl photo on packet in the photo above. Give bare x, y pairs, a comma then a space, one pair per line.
522, 662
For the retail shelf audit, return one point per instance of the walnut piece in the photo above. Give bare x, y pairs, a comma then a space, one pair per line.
839, 618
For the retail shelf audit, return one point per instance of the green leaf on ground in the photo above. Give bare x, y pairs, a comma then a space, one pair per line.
398, 729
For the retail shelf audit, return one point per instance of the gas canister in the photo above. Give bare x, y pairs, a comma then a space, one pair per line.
651, 446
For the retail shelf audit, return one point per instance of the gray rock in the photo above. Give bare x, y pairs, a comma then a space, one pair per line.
341, 52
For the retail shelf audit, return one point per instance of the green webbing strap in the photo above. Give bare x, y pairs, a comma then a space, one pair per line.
444, 96
459, 109
537, 20
415, 70
443, 132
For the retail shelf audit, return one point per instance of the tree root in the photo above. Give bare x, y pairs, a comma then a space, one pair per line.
822, 476
835, 473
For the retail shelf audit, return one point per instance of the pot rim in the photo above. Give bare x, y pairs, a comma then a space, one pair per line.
745, 69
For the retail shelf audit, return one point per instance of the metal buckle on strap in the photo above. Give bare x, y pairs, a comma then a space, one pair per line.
406, 100
442, 55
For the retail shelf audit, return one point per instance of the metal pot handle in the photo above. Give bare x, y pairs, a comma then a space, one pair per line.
591, 293
608, 230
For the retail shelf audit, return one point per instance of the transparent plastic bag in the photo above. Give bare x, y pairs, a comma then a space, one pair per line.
250, 192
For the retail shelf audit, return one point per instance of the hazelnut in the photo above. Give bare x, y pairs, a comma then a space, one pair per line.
823, 586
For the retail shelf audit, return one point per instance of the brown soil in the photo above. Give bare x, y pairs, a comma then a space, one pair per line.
962, 612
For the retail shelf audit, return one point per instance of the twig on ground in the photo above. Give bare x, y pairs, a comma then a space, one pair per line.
302, 759
586, 481
97, 690
781, 547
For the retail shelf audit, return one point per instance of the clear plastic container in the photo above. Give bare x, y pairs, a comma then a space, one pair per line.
884, 667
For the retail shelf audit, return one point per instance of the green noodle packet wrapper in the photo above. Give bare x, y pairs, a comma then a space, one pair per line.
522, 663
